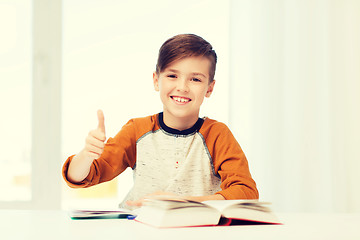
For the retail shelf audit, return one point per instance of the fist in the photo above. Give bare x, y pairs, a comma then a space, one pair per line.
95, 141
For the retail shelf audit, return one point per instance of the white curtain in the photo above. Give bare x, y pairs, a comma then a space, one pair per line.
295, 100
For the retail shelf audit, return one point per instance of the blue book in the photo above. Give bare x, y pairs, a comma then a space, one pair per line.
101, 214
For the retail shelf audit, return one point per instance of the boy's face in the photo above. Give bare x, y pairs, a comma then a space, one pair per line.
183, 86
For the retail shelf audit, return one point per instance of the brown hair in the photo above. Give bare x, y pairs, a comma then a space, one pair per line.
183, 46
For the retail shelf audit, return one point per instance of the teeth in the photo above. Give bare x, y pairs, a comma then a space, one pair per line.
179, 99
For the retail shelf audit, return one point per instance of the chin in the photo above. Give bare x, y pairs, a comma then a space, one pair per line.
182, 114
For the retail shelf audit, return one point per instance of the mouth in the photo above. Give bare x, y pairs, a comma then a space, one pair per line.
181, 100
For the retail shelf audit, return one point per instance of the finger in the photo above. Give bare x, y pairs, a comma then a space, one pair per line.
101, 119
93, 155
97, 134
137, 203
94, 149
94, 140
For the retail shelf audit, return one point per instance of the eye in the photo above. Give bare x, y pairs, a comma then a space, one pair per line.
196, 80
171, 76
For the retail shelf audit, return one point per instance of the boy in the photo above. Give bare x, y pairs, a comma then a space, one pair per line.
175, 151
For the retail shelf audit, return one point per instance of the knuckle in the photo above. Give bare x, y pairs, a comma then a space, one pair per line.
92, 133
88, 138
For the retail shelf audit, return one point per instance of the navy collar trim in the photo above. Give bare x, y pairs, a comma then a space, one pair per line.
195, 128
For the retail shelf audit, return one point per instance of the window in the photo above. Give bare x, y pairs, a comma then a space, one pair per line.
30, 54
15, 98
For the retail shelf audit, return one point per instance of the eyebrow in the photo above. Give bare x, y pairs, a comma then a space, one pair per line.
194, 73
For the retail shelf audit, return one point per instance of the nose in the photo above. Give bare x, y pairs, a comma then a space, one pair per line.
182, 85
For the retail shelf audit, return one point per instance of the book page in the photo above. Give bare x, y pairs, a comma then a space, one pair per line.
241, 203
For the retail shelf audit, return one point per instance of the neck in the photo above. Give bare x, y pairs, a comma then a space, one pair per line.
179, 123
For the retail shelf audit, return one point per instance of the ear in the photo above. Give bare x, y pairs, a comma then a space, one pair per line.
210, 89
156, 81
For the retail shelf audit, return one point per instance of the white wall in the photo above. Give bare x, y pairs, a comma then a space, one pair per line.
294, 100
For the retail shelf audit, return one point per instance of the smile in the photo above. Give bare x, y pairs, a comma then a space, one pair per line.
181, 99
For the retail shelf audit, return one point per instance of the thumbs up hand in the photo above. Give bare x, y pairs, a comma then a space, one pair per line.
95, 141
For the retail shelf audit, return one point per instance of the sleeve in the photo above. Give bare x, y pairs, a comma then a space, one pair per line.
119, 153
231, 165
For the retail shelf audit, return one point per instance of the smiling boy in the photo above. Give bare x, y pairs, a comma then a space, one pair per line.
175, 151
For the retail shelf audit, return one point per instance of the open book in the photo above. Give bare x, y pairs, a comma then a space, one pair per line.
174, 212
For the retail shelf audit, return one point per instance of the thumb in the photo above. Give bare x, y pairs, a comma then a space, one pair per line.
101, 119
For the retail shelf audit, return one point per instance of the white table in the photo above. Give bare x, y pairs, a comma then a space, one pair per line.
36, 224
